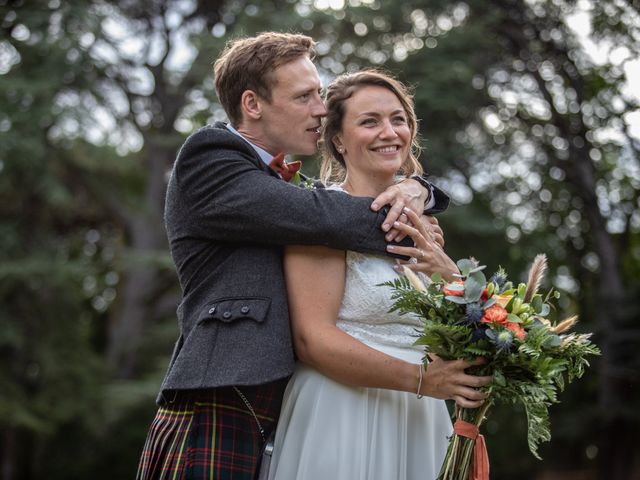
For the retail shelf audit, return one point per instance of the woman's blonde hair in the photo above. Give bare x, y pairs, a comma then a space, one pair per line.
339, 91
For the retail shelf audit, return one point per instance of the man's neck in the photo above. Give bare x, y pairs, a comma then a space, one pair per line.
264, 155
254, 138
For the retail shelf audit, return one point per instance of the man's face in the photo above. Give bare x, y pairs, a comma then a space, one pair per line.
291, 121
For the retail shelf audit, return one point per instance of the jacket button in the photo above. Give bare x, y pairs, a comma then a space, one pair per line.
211, 310
226, 315
244, 310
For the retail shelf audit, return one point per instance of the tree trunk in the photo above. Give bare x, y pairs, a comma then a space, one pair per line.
146, 237
616, 442
8, 454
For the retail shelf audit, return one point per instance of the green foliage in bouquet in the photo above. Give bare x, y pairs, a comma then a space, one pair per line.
530, 358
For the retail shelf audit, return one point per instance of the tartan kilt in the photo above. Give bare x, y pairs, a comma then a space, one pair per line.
210, 434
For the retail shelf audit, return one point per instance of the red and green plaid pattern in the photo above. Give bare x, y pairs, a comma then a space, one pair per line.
210, 434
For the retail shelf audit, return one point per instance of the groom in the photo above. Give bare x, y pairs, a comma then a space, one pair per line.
228, 215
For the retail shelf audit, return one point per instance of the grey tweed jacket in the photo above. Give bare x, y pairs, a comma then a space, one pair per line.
227, 218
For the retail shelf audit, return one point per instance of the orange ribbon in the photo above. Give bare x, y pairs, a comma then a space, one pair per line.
480, 456
285, 170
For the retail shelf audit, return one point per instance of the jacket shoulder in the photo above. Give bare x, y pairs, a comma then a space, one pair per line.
215, 136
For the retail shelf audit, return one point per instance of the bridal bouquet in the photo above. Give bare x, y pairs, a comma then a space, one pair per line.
529, 357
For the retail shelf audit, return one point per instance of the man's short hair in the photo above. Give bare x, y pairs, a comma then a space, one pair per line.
249, 63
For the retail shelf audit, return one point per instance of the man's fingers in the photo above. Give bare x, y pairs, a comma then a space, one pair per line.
381, 200
439, 239
393, 216
395, 235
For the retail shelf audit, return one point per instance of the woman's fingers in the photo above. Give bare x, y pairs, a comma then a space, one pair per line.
466, 403
422, 241
416, 220
413, 252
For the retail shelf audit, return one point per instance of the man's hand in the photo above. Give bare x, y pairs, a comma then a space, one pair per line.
433, 227
408, 193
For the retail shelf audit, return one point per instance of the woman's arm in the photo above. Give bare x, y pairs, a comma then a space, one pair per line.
315, 282
315, 279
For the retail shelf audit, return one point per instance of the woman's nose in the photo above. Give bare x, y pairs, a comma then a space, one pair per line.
388, 130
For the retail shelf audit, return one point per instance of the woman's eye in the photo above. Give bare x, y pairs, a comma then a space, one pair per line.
368, 121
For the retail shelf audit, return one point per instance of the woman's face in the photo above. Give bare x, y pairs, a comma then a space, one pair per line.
375, 135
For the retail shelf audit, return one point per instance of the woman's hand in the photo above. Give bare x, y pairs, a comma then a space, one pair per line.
427, 250
447, 380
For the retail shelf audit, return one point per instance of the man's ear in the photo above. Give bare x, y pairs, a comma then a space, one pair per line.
251, 105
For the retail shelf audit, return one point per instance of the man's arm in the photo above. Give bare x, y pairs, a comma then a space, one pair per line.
224, 196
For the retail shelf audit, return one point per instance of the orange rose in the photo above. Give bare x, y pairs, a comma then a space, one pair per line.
454, 293
495, 314
517, 329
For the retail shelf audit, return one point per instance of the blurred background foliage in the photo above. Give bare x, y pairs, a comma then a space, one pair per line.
529, 119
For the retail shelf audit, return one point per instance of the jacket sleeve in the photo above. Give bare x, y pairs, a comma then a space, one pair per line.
223, 195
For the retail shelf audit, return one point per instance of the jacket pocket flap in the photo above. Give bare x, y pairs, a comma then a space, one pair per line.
238, 308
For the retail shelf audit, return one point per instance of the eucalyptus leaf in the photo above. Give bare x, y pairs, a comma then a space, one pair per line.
465, 266
489, 303
458, 300
477, 269
473, 287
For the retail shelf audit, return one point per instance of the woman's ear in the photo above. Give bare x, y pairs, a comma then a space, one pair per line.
337, 142
251, 105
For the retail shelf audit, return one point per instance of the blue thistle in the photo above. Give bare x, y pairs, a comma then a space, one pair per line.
478, 334
503, 339
499, 278
473, 314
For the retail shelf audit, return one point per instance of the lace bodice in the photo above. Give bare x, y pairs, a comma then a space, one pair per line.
364, 313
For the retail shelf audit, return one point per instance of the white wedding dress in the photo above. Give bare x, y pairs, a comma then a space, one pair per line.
331, 431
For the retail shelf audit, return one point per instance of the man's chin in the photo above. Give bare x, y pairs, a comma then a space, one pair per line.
307, 150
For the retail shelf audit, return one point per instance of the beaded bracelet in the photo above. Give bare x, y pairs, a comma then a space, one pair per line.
421, 370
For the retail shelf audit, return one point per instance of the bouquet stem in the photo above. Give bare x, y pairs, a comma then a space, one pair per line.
457, 463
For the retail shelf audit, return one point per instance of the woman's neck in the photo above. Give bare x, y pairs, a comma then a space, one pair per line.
367, 186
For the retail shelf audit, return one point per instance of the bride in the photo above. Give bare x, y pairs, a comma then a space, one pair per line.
360, 405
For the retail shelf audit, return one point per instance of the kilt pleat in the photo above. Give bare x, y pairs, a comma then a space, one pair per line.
164, 452
210, 434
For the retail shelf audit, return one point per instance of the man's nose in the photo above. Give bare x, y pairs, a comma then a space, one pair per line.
319, 108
